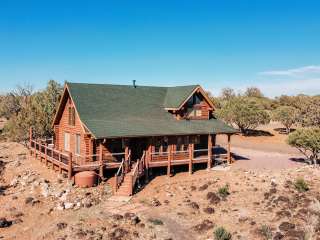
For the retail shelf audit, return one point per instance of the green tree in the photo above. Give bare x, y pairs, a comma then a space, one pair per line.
243, 112
287, 115
307, 141
24, 109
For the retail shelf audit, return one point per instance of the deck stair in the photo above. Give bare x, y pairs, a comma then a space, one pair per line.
125, 182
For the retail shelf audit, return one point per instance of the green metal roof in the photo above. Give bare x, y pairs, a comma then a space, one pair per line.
111, 111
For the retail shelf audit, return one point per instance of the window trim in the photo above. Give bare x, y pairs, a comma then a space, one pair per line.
77, 144
66, 147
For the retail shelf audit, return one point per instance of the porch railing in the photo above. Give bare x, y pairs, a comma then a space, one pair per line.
119, 176
195, 154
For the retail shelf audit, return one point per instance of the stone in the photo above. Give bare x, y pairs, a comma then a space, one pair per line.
68, 205
60, 206
61, 225
4, 223
156, 203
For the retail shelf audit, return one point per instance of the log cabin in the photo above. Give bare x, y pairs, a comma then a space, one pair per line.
132, 129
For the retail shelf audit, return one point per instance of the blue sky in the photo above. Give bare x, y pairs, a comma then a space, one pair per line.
272, 44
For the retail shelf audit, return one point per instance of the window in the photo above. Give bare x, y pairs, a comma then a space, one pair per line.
161, 145
182, 144
198, 113
78, 143
67, 141
72, 117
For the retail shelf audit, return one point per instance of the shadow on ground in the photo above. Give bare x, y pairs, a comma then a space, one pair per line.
258, 133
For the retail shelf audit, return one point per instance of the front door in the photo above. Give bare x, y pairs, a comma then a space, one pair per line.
137, 146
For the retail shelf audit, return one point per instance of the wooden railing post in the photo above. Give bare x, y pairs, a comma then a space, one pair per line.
169, 160
209, 151
190, 157
70, 166
115, 183
101, 161
229, 149
45, 155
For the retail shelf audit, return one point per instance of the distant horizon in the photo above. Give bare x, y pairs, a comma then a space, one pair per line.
272, 45
237, 91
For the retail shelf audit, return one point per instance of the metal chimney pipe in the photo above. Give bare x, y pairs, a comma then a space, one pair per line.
134, 83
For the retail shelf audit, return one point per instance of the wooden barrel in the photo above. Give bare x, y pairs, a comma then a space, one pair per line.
86, 179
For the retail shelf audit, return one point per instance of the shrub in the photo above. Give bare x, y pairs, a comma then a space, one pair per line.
301, 185
307, 141
266, 232
222, 234
224, 191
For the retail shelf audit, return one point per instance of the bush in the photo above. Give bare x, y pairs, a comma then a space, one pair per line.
266, 232
222, 234
301, 185
307, 141
224, 191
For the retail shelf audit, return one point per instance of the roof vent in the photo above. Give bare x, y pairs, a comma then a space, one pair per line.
134, 83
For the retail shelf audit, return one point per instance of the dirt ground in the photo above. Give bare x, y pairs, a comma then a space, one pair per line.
262, 201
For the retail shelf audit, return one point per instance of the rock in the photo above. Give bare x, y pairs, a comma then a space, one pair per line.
118, 233
213, 198
278, 236
194, 205
156, 203
4, 223
208, 210
68, 205
14, 182
203, 187
204, 226
273, 182
286, 226
28, 200
60, 206
61, 225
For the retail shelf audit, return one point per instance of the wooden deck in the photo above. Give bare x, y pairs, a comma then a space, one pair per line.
61, 161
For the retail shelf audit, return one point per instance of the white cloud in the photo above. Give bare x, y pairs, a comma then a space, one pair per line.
294, 72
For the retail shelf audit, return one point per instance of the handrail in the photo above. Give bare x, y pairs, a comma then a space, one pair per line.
135, 171
120, 167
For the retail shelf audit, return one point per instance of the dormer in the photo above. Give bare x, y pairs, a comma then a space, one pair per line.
189, 102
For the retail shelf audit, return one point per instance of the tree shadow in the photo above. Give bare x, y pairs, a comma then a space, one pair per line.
302, 160
222, 150
257, 133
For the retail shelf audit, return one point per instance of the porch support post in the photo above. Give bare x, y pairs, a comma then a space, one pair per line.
191, 146
209, 151
169, 160
70, 166
148, 159
229, 149
100, 159
213, 145
126, 156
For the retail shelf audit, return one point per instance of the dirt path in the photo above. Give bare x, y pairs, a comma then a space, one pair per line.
262, 160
